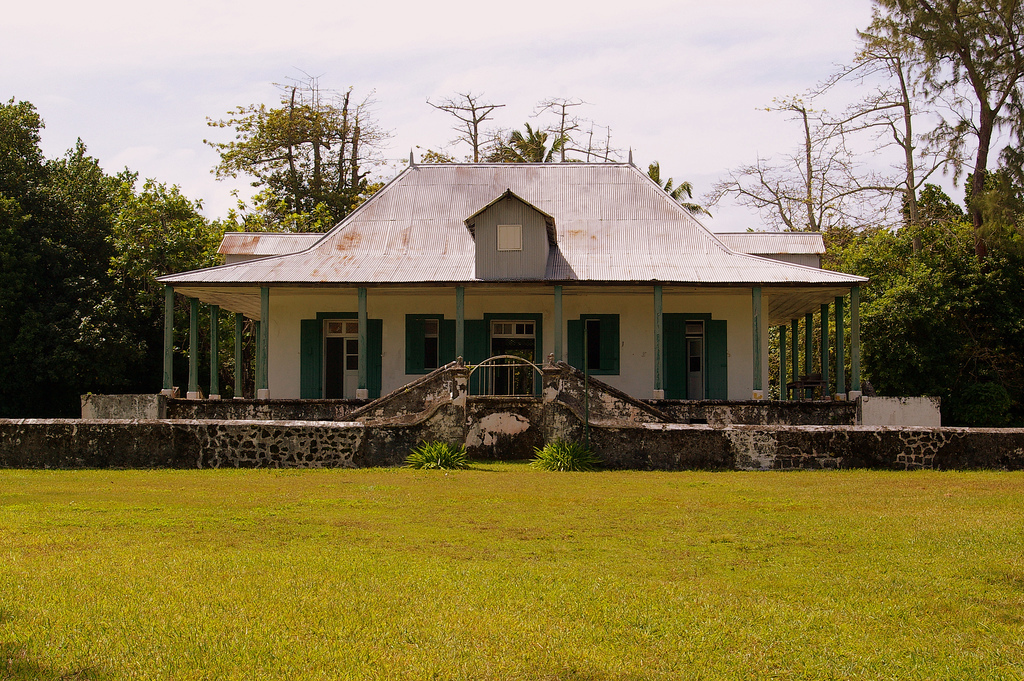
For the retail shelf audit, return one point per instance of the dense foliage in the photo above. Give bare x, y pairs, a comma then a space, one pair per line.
437, 455
79, 250
564, 455
936, 320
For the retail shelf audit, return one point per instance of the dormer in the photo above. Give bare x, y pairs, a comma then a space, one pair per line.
512, 238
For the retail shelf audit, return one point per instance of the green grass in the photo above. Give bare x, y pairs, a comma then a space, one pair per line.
504, 572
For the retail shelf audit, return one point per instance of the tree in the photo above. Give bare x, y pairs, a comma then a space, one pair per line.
889, 113
938, 321
471, 112
309, 155
973, 53
567, 123
684, 190
530, 147
816, 188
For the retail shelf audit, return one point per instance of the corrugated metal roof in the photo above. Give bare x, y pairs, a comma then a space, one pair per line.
266, 243
614, 225
774, 243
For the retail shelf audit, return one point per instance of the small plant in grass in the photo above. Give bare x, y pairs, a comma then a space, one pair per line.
561, 455
438, 456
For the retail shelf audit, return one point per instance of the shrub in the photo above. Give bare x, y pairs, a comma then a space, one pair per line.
438, 456
560, 455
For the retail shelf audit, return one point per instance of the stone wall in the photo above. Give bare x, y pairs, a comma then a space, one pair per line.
262, 410
678, 447
70, 443
721, 413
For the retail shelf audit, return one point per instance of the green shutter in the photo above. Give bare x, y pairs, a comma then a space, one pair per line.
574, 331
716, 343
477, 338
374, 356
310, 358
446, 343
674, 334
609, 343
414, 344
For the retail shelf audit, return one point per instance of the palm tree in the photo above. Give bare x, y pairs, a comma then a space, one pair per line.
678, 192
528, 148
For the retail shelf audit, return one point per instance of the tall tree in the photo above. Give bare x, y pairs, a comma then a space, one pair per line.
309, 155
974, 56
471, 113
680, 192
816, 188
567, 122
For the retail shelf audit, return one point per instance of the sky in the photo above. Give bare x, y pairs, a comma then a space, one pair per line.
684, 83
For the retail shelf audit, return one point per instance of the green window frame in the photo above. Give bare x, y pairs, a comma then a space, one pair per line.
416, 343
603, 349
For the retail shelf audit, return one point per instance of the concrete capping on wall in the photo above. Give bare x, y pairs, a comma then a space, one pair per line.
263, 410
899, 411
145, 406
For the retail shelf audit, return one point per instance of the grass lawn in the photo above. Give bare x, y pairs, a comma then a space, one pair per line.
503, 572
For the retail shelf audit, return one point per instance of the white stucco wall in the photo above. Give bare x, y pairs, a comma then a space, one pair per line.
636, 327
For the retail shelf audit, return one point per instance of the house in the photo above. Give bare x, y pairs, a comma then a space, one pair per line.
591, 263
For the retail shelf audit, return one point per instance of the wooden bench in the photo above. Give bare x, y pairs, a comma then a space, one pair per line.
809, 382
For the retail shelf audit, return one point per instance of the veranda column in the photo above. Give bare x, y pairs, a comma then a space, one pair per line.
558, 322
460, 321
363, 392
193, 349
263, 361
795, 359
824, 348
808, 349
168, 341
758, 392
840, 358
214, 352
855, 342
783, 393
659, 347
239, 325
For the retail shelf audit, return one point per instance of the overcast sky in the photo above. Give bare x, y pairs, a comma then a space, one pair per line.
680, 82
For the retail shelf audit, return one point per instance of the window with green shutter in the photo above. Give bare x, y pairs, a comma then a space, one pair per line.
429, 342
596, 338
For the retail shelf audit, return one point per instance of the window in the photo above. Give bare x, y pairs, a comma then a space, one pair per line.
429, 342
510, 237
594, 343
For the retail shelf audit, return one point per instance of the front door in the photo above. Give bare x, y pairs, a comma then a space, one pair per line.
341, 358
684, 358
517, 338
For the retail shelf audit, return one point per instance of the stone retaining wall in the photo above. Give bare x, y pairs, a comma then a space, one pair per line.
721, 413
66, 443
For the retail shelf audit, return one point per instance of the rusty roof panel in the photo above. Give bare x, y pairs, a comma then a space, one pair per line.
613, 224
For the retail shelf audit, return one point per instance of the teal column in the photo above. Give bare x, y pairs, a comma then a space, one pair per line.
239, 325
460, 321
809, 348
824, 346
558, 322
193, 348
363, 339
258, 373
214, 350
855, 338
783, 393
264, 350
840, 358
756, 318
168, 337
659, 341
795, 359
